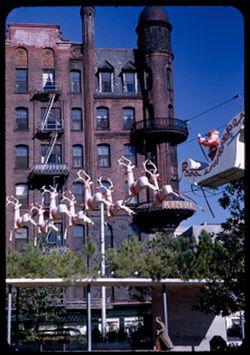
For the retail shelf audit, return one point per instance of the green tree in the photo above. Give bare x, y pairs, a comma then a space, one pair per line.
226, 288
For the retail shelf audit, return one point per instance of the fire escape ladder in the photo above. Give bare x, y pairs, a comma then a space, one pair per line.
51, 147
48, 109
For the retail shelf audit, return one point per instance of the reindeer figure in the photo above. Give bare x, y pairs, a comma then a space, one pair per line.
114, 208
55, 211
159, 195
43, 226
134, 186
76, 217
91, 202
19, 221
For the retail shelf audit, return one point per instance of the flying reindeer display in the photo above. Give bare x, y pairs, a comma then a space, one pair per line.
160, 195
19, 221
43, 225
91, 201
55, 211
76, 217
134, 186
114, 207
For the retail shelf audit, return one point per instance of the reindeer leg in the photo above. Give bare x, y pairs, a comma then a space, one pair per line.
11, 234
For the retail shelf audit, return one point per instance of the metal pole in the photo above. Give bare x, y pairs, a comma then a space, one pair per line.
103, 289
89, 326
165, 306
9, 314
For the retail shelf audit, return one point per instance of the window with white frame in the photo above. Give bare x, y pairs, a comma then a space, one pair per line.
22, 157
21, 119
22, 193
105, 81
75, 81
129, 81
128, 117
77, 156
102, 118
76, 119
103, 155
130, 153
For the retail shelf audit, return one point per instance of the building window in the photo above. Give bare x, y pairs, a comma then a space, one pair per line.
102, 118
21, 119
76, 119
48, 79
22, 193
48, 58
105, 81
77, 156
103, 155
133, 230
108, 236
54, 237
79, 237
78, 191
128, 117
129, 82
55, 156
169, 79
22, 233
21, 80
54, 118
75, 81
170, 111
130, 153
22, 157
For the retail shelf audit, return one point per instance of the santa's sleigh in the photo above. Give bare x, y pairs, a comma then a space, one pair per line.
229, 162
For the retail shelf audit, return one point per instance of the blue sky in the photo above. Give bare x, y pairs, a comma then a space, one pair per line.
208, 47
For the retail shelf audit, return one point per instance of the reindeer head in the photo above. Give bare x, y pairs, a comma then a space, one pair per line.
13, 201
125, 162
84, 177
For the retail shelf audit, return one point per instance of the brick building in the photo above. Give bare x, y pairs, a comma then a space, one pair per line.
72, 106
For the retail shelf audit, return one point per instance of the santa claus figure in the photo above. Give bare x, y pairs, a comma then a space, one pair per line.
211, 142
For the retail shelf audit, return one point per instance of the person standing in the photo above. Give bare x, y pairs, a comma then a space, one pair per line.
163, 341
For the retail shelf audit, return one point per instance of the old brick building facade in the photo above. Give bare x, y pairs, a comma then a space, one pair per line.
73, 106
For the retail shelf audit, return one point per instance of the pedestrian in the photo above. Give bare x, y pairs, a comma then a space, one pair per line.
163, 341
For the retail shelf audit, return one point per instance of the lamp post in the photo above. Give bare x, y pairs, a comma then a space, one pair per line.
103, 289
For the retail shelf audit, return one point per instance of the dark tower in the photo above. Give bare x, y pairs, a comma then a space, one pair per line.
157, 136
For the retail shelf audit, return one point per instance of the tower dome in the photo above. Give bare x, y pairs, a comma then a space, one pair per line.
152, 14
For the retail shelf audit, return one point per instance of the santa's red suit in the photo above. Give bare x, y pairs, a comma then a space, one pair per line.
212, 142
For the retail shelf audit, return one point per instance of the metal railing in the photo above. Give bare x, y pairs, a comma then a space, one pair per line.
50, 169
165, 123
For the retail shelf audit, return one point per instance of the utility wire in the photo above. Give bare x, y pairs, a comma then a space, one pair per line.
213, 108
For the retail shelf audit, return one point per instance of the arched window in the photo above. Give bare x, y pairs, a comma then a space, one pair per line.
102, 118
21, 119
75, 81
21, 70
48, 65
77, 156
133, 230
54, 237
103, 155
130, 153
22, 193
76, 119
78, 191
108, 231
22, 157
128, 117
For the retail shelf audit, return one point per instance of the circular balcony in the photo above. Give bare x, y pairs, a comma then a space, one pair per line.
159, 130
151, 220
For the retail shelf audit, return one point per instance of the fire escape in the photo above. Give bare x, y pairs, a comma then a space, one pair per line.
50, 169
